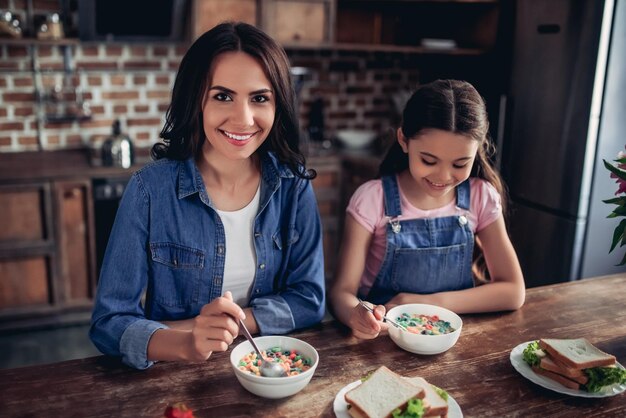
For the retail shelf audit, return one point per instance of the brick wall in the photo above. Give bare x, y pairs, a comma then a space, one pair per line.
133, 82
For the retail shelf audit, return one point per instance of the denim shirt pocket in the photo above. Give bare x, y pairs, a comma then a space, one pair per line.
176, 272
282, 242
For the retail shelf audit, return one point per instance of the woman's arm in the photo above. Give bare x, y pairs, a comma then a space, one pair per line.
505, 291
187, 324
214, 329
342, 295
297, 295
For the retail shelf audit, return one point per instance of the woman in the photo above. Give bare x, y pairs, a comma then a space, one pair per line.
227, 209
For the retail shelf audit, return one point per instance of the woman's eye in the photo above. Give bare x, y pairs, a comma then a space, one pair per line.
260, 99
459, 165
428, 162
222, 97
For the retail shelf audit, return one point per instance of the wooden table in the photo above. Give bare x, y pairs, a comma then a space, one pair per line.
476, 371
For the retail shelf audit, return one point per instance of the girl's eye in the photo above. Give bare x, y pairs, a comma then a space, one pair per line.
222, 97
459, 165
428, 162
260, 99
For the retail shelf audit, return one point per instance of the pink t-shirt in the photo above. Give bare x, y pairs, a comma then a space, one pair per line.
367, 208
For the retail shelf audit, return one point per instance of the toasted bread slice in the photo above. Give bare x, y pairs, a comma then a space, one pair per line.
576, 353
381, 393
547, 363
557, 378
437, 406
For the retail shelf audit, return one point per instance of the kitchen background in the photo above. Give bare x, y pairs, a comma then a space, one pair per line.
552, 73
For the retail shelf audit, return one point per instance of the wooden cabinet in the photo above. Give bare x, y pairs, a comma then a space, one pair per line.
207, 13
46, 253
26, 246
294, 21
444, 26
287, 21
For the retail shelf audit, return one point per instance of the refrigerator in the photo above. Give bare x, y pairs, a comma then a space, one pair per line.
564, 114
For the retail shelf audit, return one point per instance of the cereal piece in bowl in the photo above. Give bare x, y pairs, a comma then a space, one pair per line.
430, 329
298, 356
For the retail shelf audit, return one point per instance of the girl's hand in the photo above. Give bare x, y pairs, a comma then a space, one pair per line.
404, 298
366, 325
215, 328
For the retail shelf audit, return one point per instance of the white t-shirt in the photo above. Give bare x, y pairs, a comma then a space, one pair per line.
240, 264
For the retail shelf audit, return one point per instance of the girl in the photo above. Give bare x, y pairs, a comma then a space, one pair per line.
409, 236
228, 209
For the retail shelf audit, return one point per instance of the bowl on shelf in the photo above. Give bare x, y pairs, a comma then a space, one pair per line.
274, 387
356, 138
424, 343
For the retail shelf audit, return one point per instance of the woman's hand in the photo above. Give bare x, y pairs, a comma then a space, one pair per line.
367, 325
215, 328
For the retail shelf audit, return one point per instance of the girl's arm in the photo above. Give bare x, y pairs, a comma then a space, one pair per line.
505, 291
342, 295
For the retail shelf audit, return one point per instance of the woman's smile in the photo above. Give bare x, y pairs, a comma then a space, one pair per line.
239, 139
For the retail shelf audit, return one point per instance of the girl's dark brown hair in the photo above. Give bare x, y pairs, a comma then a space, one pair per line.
183, 132
453, 106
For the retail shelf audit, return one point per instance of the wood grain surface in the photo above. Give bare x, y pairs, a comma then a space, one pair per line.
476, 371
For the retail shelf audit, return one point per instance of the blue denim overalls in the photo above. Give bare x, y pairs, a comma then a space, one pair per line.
426, 255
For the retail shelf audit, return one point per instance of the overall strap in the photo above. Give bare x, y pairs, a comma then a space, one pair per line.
391, 193
463, 195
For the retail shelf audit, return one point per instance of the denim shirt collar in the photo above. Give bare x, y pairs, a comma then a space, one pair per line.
190, 180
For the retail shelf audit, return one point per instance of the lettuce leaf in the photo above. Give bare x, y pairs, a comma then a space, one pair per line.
603, 376
532, 354
442, 393
414, 409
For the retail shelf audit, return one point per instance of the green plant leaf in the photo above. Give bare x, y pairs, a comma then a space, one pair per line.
623, 261
618, 234
619, 173
616, 201
620, 211
621, 160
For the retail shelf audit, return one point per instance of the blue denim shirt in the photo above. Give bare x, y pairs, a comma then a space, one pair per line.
168, 241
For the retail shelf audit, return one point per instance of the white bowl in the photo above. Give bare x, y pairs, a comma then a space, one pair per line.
356, 138
274, 387
425, 344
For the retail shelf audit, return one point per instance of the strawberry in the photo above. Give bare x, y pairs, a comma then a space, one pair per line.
178, 410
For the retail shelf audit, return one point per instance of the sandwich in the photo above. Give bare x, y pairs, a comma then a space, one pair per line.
385, 394
436, 399
574, 363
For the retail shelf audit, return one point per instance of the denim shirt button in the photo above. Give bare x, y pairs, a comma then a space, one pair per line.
217, 281
262, 266
257, 234
175, 262
462, 220
220, 249
257, 291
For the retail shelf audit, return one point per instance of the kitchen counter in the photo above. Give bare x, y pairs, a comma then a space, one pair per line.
476, 372
47, 165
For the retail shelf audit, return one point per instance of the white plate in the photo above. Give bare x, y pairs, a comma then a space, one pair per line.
340, 406
517, 360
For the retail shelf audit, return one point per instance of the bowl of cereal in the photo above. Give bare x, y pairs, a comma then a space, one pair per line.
428, 329
299, 358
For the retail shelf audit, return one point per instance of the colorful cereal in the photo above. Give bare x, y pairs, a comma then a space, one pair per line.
292, 361
424, 324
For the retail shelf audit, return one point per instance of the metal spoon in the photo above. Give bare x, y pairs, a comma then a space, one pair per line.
268, 368
385, 317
